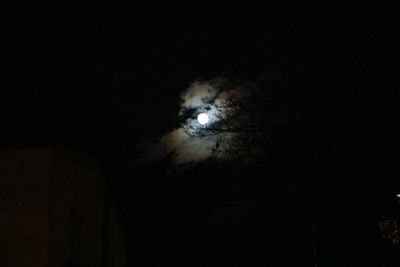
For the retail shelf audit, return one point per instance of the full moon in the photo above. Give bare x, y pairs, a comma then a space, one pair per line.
202, 118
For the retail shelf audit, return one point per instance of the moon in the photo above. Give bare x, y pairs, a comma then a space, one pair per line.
202, 118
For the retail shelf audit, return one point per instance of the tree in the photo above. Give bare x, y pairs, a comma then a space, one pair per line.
390, 230
246, 116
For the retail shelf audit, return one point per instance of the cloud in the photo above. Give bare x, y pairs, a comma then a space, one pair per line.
188, 148
198, 94
201, 96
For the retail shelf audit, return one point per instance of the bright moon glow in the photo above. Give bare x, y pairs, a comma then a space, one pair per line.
398, 195
202, 118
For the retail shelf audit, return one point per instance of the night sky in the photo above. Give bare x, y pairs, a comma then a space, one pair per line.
106, 80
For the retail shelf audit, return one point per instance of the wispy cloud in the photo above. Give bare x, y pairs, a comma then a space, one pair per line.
201, 96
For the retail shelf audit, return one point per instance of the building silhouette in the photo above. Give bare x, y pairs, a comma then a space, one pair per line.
56, 210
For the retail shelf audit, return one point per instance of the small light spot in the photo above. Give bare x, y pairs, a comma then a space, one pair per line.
398, 195
202, 118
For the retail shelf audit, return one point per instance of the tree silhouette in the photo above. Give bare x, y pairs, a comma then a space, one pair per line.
389, 229
244, 119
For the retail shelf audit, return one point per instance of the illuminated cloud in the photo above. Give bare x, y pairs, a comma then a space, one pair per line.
200, 97
198, 94
188, 148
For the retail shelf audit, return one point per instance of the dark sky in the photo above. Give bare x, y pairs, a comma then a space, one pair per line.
103, 78
129, 64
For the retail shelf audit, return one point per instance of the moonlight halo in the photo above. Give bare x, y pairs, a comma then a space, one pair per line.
202, 118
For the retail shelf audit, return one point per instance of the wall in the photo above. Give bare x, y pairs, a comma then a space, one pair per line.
55, 210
